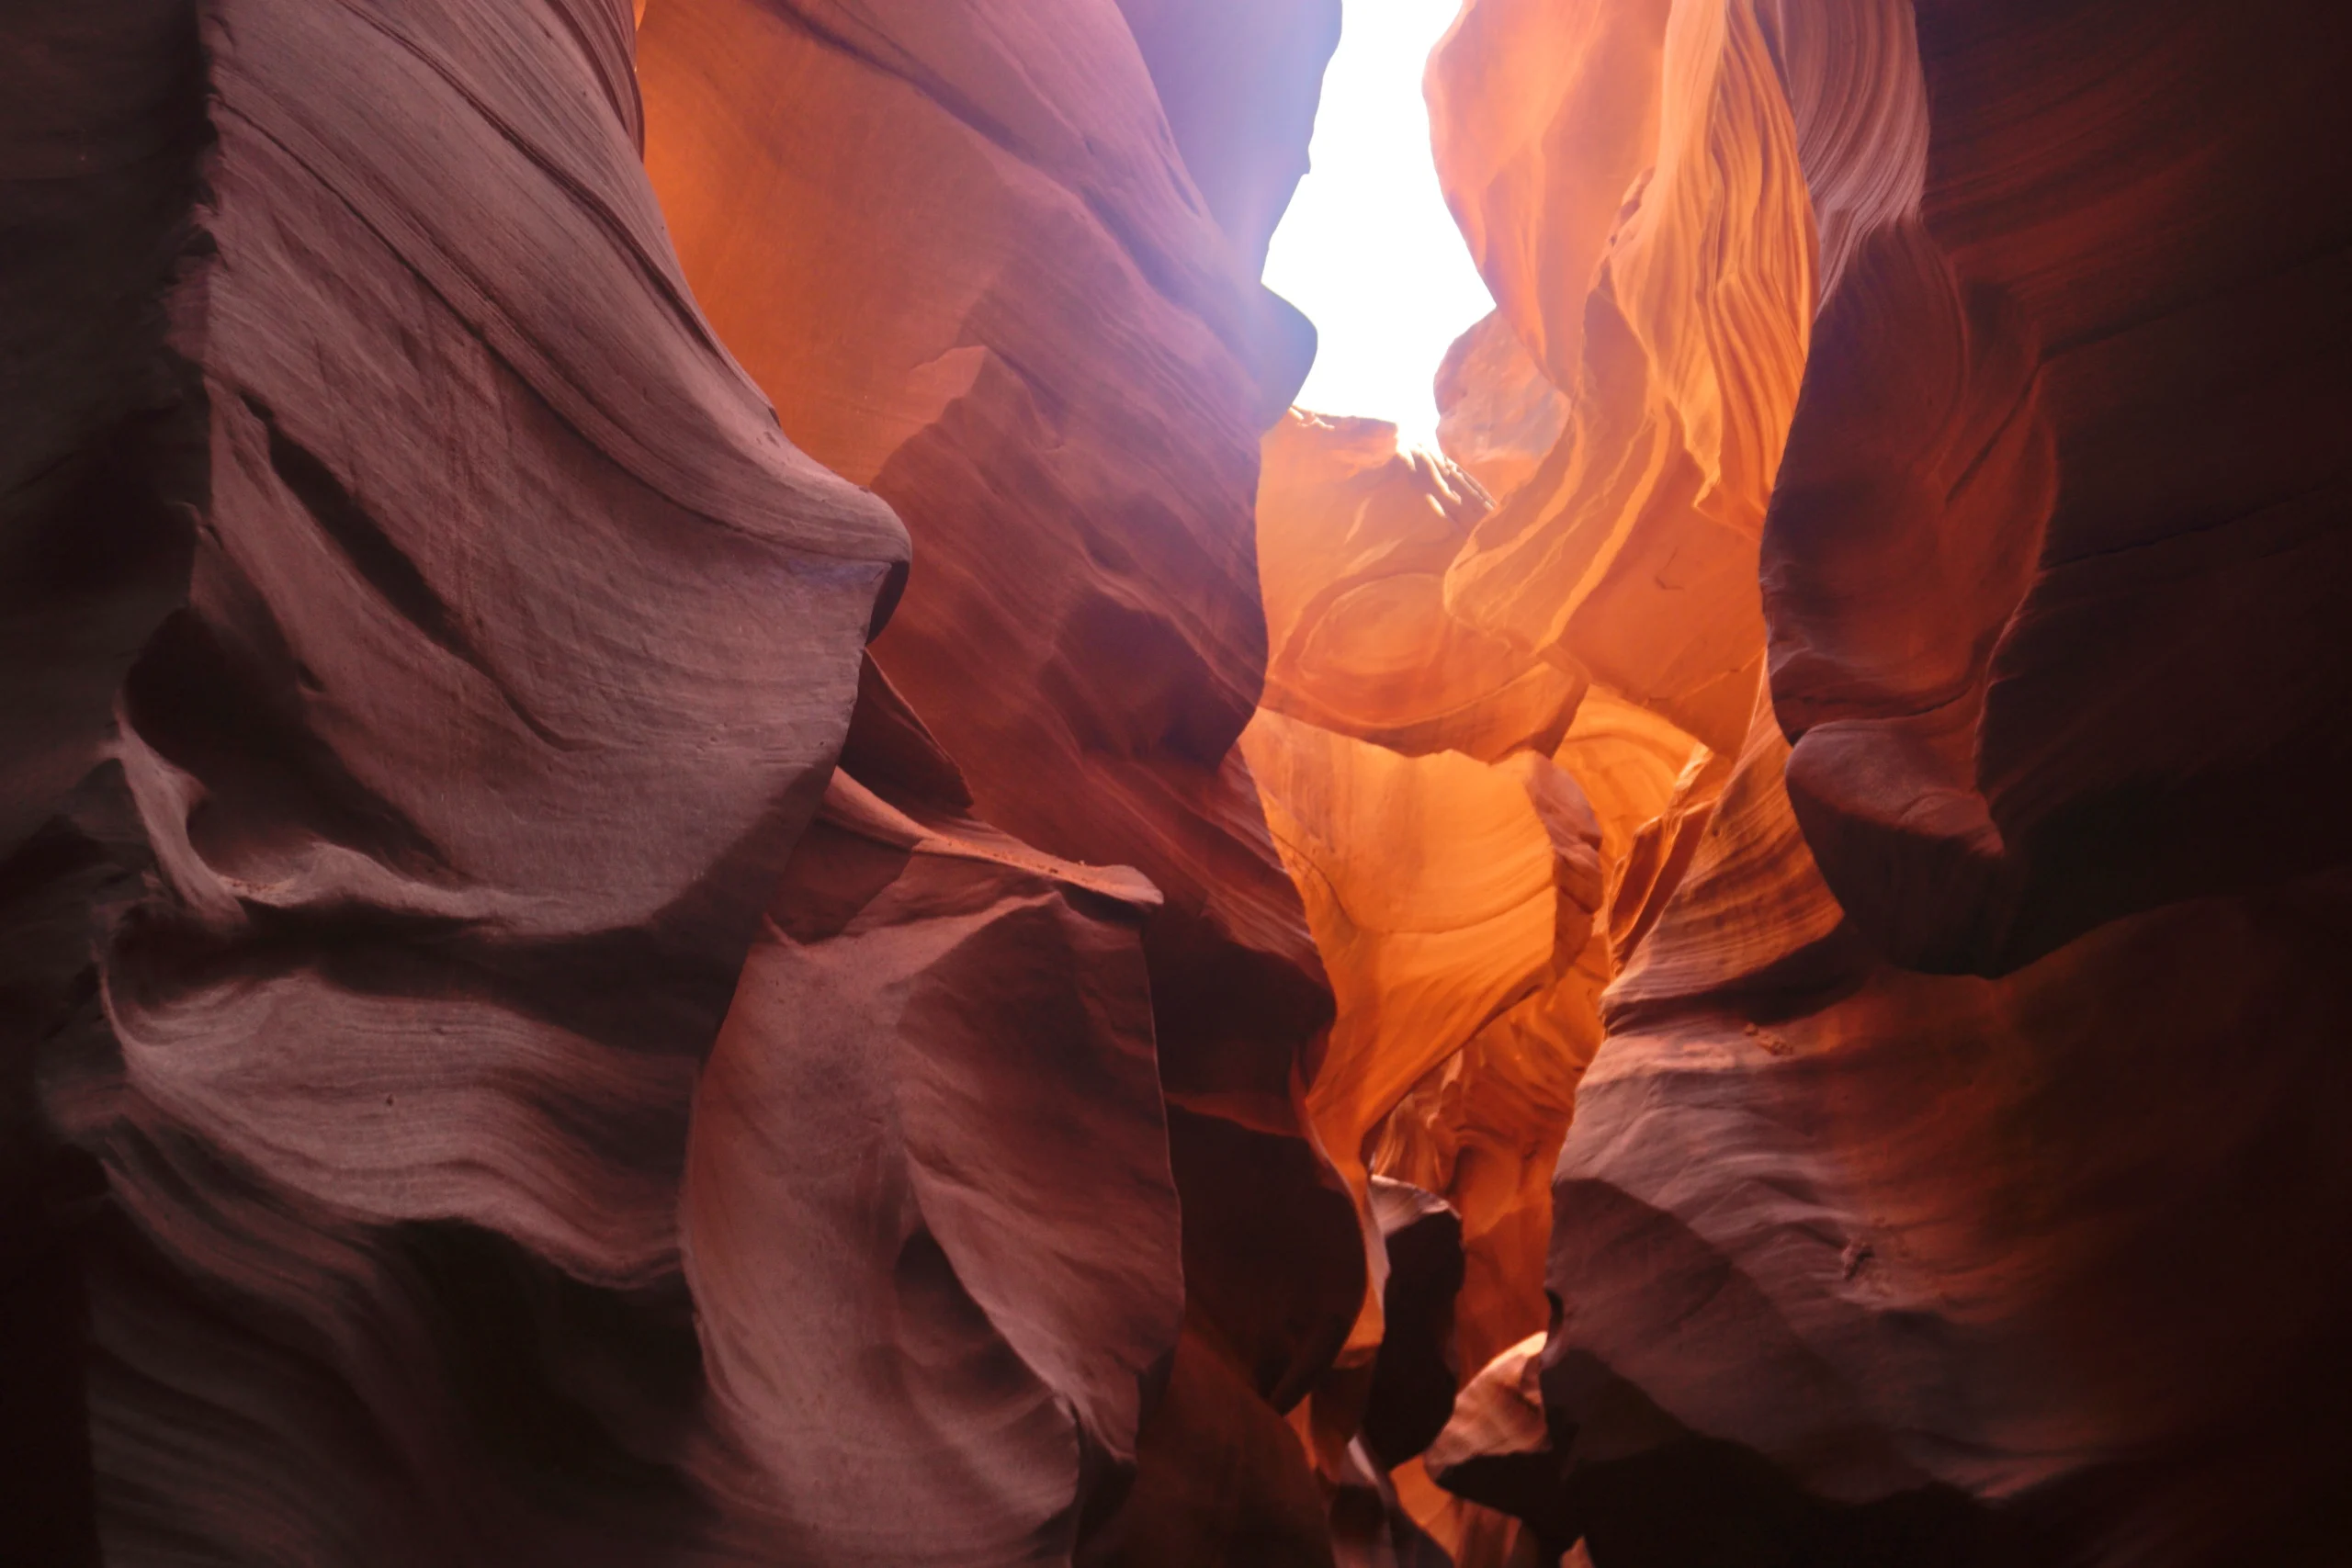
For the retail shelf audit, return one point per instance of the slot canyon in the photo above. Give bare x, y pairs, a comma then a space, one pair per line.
722, 841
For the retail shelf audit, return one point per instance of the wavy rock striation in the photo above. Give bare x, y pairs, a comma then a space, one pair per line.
2124, 376
1859, 1260
719, 845
514, 647
1422, 779
463, 673
973, 1349
1049, 352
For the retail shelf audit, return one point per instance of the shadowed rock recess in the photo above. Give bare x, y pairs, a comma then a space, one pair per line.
719, 844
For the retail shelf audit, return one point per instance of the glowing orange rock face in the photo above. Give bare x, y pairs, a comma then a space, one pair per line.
1541, 116
1841, 1271
1638, 208
1819, 813
1499, 415
980, 270
1855, 1260
1459, 677
998, 366
1353, 541
1452, 870
1480, 896
1452, 875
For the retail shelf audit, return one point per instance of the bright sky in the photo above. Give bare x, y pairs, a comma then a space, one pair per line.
1367, 249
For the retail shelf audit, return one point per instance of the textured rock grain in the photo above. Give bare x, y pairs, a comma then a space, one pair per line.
1859, 1260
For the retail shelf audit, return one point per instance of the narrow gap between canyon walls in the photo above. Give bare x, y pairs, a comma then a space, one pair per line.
1508, 684
721, 842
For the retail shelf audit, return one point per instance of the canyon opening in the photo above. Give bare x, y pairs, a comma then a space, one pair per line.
827, 783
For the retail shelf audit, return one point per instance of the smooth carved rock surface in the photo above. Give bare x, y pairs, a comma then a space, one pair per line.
1422, 779
451, 1211
1240, 81
1354, 539
1628, 178
977, 1338
1481, 897
1856, 1262
1081, 546
2103, 480
513, 648
832, 897
1051, 355
1499, 415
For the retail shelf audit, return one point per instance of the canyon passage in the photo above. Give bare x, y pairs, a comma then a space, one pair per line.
723, 841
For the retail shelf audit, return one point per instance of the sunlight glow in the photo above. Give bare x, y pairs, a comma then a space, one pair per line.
1368, 249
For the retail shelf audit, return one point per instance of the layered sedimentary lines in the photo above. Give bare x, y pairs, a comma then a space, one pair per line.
495, 807
966, 255
719, 845
1855, 1263
435, 820
1828, 1232
977, 1022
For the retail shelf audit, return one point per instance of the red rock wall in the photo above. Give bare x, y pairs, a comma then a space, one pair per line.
1859, 1262
1046, 347
430, 898
408, 883
717, 846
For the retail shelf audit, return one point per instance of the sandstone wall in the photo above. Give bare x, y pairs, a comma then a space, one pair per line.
1948, 1185
718, 843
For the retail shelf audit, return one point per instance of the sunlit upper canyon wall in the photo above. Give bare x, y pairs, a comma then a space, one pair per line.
723, 846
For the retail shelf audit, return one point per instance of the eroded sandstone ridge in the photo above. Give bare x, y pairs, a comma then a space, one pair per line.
535, 1043
1950, 1185
718, 843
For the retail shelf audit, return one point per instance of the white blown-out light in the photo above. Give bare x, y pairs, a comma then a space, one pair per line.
1368, 249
